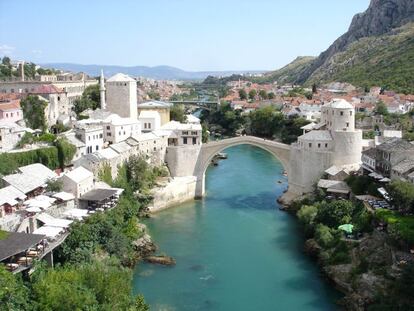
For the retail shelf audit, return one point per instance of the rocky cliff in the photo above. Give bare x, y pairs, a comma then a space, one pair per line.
381, 17
377, 49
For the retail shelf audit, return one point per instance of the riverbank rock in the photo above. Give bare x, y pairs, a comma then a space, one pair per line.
144, 246
312, 248
161, 260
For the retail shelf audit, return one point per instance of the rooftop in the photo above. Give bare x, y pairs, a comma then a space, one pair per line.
38, 170
99, 194
9, 195
10, 106
149, 114
47, 89
79, 174
404, 166
339, 103
24, 183
396, 145
317, 135
17, 242
120, 77
174, 125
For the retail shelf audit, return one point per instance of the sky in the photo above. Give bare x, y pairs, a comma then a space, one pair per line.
194, 35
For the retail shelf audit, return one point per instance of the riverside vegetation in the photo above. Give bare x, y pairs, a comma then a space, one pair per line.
371, 270
93, 265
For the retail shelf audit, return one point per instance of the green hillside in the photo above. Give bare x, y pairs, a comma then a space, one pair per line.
289, 73
386, 60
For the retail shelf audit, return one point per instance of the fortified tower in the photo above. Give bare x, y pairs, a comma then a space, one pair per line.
121, 96
334, 141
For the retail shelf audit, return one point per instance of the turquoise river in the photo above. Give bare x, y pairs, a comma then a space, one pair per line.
235, 250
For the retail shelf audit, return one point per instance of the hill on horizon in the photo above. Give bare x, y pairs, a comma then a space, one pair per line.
157, 72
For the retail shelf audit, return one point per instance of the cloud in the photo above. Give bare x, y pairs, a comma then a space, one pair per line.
6, 49
37, 52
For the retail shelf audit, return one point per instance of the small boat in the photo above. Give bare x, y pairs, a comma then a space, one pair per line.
279, 181
285, 173
222, 155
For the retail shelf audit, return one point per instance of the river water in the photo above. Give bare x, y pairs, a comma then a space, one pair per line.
234, 250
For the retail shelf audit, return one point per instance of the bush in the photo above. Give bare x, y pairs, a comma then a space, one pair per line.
324, 236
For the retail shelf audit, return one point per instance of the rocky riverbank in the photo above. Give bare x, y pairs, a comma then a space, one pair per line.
363, 269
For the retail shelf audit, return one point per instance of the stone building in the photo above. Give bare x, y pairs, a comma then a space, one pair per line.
162, 108
121, 96
334, 141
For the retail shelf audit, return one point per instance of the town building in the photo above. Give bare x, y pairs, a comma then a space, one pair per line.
163, 108
10, 135
78, 181
11, 111
92, 136
121, 96
150, 120
117, 129
332, 142
392, 152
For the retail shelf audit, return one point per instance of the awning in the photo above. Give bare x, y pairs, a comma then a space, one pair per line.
49, 231
76, 213
64, 196
52, 221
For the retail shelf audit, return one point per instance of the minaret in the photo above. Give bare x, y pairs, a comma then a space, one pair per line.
102, 91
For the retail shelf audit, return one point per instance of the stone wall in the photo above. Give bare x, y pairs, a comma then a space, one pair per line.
182, 160
177, 191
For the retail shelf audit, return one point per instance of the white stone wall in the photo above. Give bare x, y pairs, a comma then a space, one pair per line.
117, 133
177, 191
347, 148
121, 98
306, 168
182, 160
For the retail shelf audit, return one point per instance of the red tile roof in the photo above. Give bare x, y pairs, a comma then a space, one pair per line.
12, 105
47, 89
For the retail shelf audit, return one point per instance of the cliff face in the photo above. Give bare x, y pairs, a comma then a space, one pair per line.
381, 17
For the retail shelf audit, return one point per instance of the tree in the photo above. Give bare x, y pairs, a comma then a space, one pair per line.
265, 121
90, 99
263, 94
252, 94
177, 113
66, 151
271, 95
34, 112
381, 108
336, 213
6, 61
403, 195
204, 133
324, 236
13, 293
54, 185
242, 94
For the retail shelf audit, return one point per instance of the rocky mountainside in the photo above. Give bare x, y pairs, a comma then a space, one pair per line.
379, 41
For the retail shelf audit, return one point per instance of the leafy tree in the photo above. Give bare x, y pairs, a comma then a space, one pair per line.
6, 61
54, 185
66, 151
177, 113
34, 112
13, 293
335, 213
252, 94
204, 133
242, 94
381, 108
307, 214
90, 99
271, 95
324, 236
263, 94
265, 121
403, 195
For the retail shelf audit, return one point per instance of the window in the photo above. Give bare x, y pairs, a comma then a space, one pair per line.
347, 124
97, 147
149, 125
108, 127
350, 113
194, 140
310, 145
326, 145
342, 113
100, 135
193, 133
319, 145
185, 132
145, 125
185, 140
108, 134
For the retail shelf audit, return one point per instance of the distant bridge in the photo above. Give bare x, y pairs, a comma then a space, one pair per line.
198, 103
209, 150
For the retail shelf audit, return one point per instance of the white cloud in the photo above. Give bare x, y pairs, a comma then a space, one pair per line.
6, 49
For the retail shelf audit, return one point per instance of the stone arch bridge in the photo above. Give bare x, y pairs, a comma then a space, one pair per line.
208, 150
